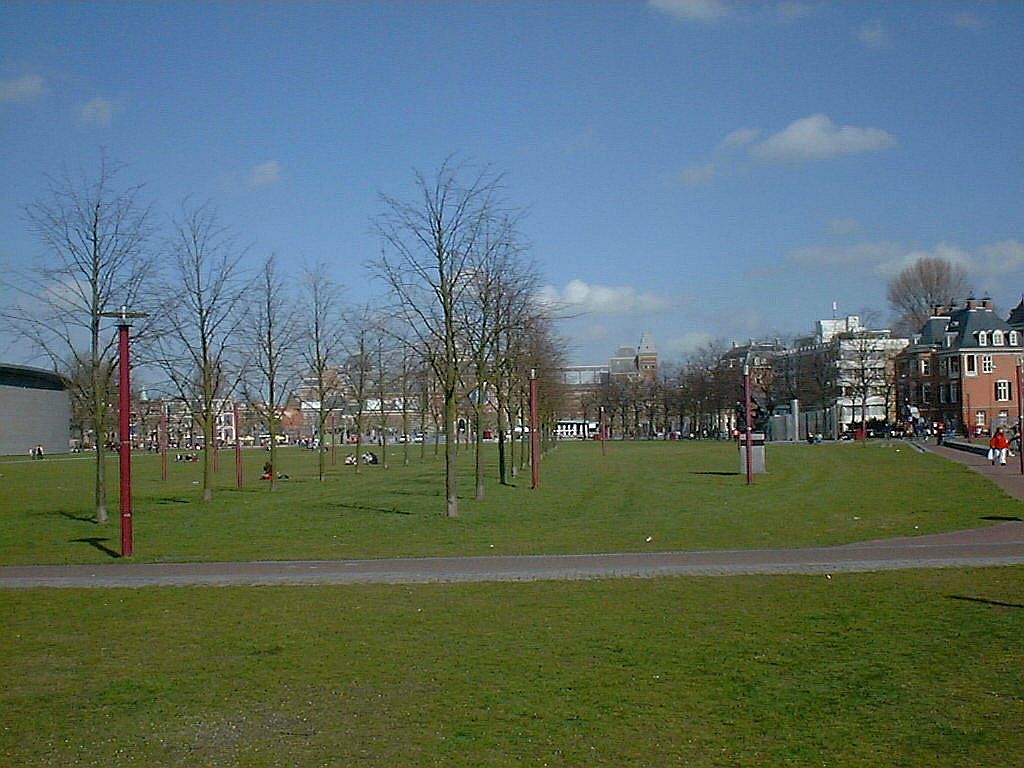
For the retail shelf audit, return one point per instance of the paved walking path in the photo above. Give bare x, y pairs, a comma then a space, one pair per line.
1000, 544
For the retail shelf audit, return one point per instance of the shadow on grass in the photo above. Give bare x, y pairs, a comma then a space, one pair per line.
1011, 518
365, 508
97, 542
985, 601
719, 474
79, 518
173, 501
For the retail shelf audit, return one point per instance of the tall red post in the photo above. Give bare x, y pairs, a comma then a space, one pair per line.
124, 428
239, 476
749, 425
534, 431
163, 445
1020, 417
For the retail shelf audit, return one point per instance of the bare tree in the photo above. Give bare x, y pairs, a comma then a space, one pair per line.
94, 232
919, 287
322, 337
359, 370
429, 249
272, 337
200, 343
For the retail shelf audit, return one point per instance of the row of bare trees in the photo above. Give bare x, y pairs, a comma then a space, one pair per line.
459, 323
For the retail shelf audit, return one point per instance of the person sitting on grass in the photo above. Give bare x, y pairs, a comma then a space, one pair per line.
997, 447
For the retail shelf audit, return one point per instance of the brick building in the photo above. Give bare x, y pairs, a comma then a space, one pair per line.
961, 369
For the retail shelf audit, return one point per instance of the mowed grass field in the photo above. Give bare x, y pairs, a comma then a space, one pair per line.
917, 668
684, 495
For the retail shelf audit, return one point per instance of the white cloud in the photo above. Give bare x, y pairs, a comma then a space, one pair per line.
601, 300
699, 174
816, 137
873, 34
688, 343
21, 88
967, 20
866, 256
990, 261
739, 138
693, 10
843, 225
1003, 257
99, 110
791, 10
265, 173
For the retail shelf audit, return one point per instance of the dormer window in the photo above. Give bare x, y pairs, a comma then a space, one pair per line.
997, 338
982, 339
1014, 338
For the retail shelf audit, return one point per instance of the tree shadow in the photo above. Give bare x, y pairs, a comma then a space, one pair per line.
365, 508
719, 474
986, 601
79, 518
167, 500
95, 541
1012, 518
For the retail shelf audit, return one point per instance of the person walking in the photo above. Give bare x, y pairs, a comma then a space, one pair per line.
998, 446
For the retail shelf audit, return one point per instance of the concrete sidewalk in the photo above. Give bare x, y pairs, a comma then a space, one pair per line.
1001, 544
1008, 478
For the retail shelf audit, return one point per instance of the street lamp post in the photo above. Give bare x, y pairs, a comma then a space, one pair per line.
124, 424
239, 477
747, 415
534, 431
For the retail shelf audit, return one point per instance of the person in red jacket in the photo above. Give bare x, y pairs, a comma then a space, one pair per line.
998, 446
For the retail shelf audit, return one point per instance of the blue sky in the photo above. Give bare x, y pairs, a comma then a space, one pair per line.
701, 169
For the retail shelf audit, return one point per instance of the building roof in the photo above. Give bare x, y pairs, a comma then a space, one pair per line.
965, 323
29, 378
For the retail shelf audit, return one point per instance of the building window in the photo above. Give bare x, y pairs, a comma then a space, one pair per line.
1014, 338
944, 366
997, 338
926, 393
954, 365
986, 364
979, 418
971, 365
982, 339
1004, 418
926, 366
943, 393
954, 393
1003, 390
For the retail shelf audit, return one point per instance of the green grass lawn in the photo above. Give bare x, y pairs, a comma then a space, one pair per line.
686, 495
917, 668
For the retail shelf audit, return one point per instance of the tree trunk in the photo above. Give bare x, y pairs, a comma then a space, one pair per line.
207, 461
450, 460
479, 464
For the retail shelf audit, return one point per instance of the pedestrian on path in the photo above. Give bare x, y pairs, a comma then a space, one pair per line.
997, 447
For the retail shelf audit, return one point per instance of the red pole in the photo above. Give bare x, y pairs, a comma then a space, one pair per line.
1020, 418
163, 445
534, 431
239, 477
334, 443
749, 425
124, 426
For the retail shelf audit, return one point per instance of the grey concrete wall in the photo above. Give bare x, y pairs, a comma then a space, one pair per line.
30, 417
